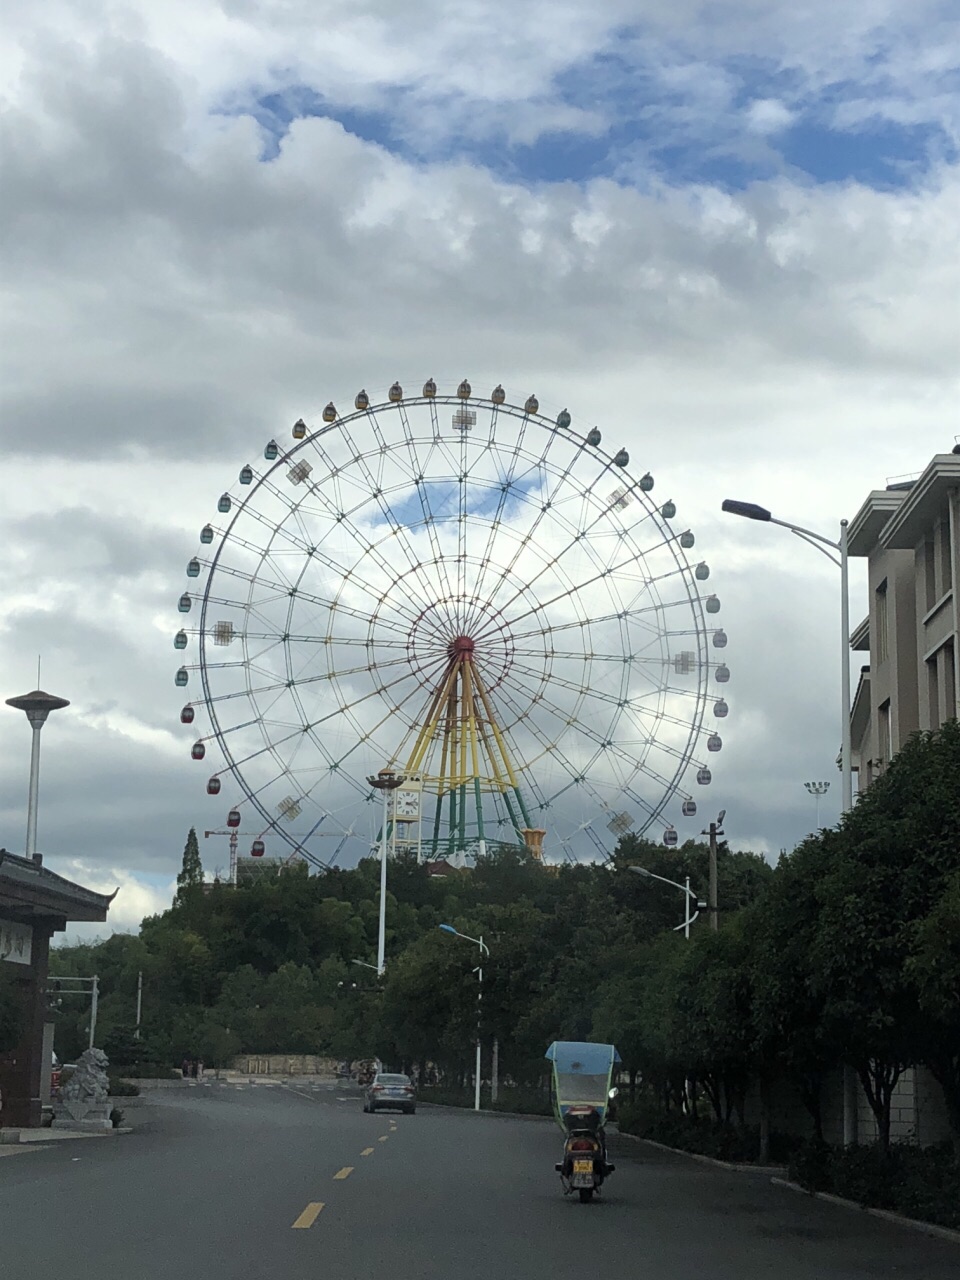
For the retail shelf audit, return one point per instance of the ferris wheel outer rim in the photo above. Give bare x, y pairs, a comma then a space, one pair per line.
240, 506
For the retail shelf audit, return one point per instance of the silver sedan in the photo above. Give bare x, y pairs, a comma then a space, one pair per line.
394, 1092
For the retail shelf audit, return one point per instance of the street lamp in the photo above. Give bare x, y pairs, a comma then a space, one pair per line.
817, 789
38, 706
385, 782
484, 950
754, 512
691, 898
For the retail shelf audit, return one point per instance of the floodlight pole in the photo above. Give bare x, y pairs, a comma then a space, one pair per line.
385, 782
817, 789
37, 706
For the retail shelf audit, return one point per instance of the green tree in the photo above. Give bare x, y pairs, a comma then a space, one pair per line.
935, 969
890, 863
190, 877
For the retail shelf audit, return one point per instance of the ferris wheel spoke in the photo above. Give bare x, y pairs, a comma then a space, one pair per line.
590, 582
429, 519
547, 502
578, 536
629, 615
397, 527
341, 515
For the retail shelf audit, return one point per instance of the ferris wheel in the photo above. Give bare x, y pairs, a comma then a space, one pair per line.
480, 597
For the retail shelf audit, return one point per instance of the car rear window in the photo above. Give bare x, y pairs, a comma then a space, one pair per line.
393, 1080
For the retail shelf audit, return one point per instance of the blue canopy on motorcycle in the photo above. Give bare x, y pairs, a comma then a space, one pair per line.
581, 1074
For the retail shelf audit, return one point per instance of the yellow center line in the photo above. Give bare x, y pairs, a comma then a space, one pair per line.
344, 1173
383, 1138
309, 1216
367, 1151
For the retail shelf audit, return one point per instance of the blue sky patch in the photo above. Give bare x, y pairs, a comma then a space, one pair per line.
677, 121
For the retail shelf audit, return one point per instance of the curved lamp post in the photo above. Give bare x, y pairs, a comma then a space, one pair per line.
691, 900
484, 950
37, 706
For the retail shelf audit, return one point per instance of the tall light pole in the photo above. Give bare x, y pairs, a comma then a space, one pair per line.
691, 897
817, 789
385, 782
37, 706
754, 512
484, 950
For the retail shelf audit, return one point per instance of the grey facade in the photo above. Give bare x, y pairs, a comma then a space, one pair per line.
909, 534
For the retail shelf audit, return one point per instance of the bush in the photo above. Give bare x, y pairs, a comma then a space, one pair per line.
150, 1071
920, 1182
123, 1088
704, 1137
116, 1117
515, 1100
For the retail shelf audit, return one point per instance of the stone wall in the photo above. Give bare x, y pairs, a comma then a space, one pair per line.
918, 1112
283, 1064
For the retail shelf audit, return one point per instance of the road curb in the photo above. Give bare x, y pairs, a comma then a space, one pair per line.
899, 1219
484, 1111
717, 1164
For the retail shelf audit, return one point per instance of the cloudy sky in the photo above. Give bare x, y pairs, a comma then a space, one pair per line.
726, 233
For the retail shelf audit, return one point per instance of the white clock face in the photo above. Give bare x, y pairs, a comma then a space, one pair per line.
408, 804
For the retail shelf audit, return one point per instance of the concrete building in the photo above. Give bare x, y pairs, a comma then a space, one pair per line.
909, 533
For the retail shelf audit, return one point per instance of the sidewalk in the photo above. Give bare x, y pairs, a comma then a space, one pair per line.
37, 1139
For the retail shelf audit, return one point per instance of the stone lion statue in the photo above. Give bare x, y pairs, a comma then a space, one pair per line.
89, 1082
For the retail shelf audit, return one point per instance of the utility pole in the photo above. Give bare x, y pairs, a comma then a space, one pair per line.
715, 829
136, 1034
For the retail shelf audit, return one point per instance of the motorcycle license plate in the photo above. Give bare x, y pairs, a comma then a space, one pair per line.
583, 1166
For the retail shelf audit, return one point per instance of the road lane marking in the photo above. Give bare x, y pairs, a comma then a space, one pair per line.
344, 1173
367, 1151
309, 1216
383, 1137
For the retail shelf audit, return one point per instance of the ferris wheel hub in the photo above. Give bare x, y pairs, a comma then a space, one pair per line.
461, 647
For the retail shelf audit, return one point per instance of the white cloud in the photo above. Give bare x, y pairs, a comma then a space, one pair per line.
768, 115
174, 303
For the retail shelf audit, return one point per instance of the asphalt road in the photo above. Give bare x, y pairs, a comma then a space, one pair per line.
226, 1184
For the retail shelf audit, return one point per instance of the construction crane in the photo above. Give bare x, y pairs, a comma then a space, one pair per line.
234, 835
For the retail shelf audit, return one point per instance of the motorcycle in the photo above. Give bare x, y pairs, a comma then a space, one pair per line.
584, 1166
581, 1093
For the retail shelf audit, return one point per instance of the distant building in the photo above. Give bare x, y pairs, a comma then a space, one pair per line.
909, 533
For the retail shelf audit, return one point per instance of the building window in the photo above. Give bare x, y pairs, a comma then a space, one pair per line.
933, 693
945, 574
930, 573
950, 706
880, 626
883, 736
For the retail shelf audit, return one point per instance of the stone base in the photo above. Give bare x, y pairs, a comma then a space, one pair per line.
83, 1115
11, 1136
82, 1126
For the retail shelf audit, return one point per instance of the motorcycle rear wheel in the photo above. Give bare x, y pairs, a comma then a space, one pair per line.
586, 1195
